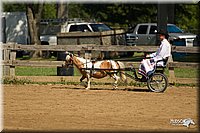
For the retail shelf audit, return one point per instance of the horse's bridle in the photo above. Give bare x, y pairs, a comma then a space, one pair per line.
70, 61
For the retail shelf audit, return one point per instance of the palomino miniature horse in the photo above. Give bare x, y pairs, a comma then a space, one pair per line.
105, 67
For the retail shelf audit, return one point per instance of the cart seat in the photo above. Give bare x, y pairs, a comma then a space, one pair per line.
164, 64
159, 68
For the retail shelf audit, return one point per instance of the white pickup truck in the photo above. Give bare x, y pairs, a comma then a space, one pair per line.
145, 34
49, 32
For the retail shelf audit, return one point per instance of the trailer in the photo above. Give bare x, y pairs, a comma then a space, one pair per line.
15, 29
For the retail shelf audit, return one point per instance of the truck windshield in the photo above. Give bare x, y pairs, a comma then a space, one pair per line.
100, 27
49, 29
173, 29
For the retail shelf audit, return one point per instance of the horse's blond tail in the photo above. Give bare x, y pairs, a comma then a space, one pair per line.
122, 73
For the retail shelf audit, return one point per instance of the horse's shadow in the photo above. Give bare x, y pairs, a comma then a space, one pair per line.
83, 84
123, 89
108, 89
137, 90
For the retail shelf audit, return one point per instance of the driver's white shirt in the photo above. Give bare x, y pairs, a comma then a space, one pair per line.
163, 52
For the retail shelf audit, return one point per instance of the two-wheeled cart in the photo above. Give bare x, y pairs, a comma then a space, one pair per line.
156, 81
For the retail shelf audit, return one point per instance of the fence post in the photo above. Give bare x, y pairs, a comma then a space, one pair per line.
9, 55
12, 59
172, 77
6, 69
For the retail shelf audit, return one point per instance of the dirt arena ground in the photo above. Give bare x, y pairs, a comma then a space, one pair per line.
72, 108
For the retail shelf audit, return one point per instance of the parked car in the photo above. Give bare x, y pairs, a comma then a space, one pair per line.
145, 34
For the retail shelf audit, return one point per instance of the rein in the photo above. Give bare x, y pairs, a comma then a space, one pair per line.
82, 63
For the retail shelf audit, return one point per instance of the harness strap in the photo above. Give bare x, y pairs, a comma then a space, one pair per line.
114, 71
109, 73
92, 70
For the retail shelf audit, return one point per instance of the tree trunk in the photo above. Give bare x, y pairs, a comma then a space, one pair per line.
62, 10
30, 23
34, 16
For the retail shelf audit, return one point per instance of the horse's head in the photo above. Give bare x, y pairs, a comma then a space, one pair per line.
68, 59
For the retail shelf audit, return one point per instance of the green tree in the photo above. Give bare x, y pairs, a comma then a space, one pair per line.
119, 14
9, 7
49, 11
186, 17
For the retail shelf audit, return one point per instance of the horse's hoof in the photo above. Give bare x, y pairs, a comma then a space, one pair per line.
87, 88
115, 87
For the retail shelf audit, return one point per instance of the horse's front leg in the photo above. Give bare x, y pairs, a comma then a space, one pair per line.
88, 82
116, 78
82, 78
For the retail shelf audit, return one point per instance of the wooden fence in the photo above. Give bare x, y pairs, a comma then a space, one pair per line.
9, 61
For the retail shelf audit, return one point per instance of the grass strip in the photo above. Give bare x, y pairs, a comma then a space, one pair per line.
39, 71
15, 81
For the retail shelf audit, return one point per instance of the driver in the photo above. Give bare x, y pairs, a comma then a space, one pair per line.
164, 51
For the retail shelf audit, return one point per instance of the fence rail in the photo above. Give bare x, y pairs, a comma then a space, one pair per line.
119, 48
9, 55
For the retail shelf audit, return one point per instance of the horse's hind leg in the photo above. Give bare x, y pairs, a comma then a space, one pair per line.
88, 82
116, 78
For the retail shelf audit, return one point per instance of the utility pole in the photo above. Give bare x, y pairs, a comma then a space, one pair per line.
171, 13
165, 14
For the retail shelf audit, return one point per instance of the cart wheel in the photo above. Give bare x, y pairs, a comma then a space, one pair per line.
157, 82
